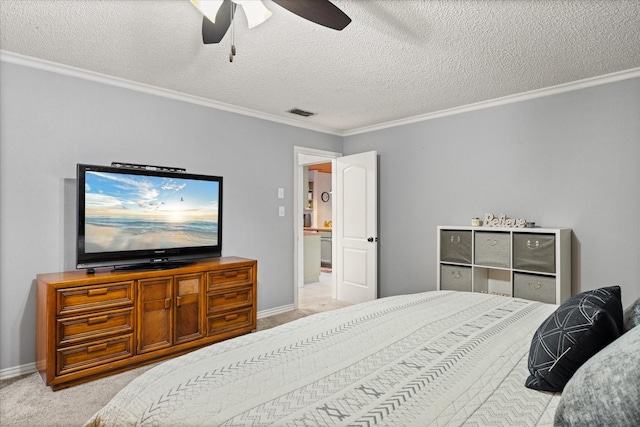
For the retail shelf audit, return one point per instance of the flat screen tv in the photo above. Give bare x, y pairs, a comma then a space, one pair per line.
146, 217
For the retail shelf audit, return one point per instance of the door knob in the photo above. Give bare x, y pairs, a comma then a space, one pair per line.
372, 239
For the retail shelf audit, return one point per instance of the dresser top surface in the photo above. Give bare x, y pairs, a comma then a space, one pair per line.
199, 265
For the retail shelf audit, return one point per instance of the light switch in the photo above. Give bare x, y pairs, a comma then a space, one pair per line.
280, 193
281, 210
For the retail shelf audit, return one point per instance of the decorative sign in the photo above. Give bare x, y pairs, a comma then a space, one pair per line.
502, 221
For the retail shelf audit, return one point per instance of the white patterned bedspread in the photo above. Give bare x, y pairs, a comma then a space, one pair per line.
429, 359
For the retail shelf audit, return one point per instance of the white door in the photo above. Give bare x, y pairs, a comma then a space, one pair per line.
356, 226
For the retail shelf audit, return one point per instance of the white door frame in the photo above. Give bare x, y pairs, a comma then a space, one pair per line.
303, 156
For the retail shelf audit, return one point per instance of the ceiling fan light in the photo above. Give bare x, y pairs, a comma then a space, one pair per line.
256, 12
208, 8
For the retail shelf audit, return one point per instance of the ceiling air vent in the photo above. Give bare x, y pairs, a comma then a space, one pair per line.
300, 112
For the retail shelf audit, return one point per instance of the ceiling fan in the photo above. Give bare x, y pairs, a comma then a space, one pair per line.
218, 15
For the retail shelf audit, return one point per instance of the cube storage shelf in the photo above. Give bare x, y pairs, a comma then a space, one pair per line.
529, 263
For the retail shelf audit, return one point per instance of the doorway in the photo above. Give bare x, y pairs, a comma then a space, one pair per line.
354, 231
313, 290
316, 292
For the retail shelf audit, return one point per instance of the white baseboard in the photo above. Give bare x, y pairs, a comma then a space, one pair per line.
16, 371
30, 368
276, 310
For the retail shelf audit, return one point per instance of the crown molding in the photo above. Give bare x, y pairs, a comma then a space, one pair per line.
538, 93
54, 67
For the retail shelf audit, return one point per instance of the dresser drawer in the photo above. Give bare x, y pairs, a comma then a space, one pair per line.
95, 297
492, 249
216, 279
455, 246
534, 287
455, 278
71, 359
96, 325
229, 298
534, 252
229, 321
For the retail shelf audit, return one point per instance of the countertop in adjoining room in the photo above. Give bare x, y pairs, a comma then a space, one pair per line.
317, 228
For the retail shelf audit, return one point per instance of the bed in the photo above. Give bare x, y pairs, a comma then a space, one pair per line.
431, 359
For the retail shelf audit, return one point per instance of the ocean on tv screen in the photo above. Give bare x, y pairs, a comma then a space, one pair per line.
132, 212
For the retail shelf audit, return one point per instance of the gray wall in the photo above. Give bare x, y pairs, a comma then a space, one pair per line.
51, 122
568, 160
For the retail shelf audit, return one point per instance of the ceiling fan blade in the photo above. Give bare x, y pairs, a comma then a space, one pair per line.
321, 12
214, 32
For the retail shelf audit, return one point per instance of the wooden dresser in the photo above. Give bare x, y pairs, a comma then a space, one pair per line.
93, 325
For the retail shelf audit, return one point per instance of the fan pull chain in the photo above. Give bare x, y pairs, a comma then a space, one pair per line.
233, 34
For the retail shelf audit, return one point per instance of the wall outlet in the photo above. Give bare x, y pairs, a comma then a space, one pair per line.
281, 210
280, 193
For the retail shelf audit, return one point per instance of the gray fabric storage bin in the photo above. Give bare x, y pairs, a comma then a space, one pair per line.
493, 249
455, 278
455, 246
534, 252
534, 287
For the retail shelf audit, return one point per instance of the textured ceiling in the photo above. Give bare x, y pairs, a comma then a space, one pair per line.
397, 59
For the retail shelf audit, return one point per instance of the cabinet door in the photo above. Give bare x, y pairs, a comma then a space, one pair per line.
155, 323
189, 316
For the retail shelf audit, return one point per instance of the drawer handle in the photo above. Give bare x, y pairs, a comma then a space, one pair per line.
230, 317
94, 320
535, 286
231, 296
94, 348
492, 242
167, 303
532, 246
229, 274
178, 301
455, 239
94, 292
456, 274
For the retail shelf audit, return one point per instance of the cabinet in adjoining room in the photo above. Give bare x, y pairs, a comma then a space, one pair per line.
325, 249
529, 263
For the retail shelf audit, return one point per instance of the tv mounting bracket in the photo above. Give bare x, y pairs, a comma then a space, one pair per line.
147, 167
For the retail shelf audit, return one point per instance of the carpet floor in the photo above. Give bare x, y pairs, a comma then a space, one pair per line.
26, 401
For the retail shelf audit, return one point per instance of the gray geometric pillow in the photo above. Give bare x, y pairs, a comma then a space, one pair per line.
605, 391
582, 325
631, 315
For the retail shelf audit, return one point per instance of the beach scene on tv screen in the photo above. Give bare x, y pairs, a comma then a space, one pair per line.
140, 212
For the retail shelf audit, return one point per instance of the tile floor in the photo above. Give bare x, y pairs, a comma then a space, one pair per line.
312, 298
317, 296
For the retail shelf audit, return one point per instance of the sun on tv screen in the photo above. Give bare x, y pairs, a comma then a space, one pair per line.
146, 217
